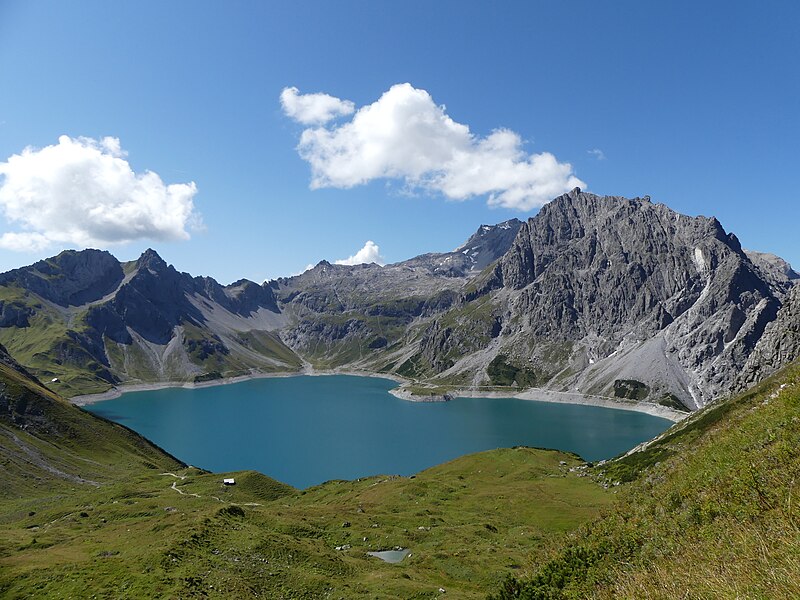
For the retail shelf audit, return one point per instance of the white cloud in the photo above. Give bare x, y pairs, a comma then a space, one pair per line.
370, 253
83, 192
597, 153
405, 135
313, 109
24, 242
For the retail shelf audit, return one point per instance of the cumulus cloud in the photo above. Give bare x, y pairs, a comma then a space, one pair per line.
597, 153
24, 242
83, 192
370, 253
313, 109
405, 135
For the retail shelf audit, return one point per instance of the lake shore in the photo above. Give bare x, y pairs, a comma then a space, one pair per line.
533, 394
116, 392
545, 395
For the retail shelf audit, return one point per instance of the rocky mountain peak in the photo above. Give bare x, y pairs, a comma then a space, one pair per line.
71, 278
151, 260
773, 268
489, 243
483, 247
608, 228
245, 297
625, 270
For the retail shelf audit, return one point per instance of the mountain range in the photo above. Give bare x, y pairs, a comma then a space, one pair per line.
704, 510
623, 295
599, 295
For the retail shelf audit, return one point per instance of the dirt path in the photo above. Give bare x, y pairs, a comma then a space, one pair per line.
175, 487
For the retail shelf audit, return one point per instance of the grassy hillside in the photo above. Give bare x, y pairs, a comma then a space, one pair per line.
183, 534
711, 513
89, 508
52, 344
48, 445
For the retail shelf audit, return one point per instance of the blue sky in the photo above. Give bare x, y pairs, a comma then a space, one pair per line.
693, 103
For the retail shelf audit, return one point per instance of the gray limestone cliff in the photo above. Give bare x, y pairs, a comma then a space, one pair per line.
622, 290
777, 347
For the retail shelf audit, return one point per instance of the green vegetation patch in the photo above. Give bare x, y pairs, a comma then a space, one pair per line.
415, 367
346, 337
57, 346
712, 512
429, 390
673, 402
270, 344
502, 373
202, 346
631, 389
210, 376
183, 533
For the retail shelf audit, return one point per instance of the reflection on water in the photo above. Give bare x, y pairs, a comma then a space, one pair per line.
391, 556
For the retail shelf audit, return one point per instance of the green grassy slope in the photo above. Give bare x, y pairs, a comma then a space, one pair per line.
711, 513
48, 444
184, 534
49, 345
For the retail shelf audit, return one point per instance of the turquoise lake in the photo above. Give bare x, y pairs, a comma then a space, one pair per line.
307, 430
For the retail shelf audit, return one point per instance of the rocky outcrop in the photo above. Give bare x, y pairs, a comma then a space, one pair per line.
14, 314
773, 269
245, 297
156, 298
627, 282
777, 347
353, 315
337, 309
485, 246
70, 279
489, 243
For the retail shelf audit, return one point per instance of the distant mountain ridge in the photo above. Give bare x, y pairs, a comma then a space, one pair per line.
101, 322
596, 294
483, 247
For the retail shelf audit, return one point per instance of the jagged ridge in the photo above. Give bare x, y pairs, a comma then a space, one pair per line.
90, 321
597, 294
